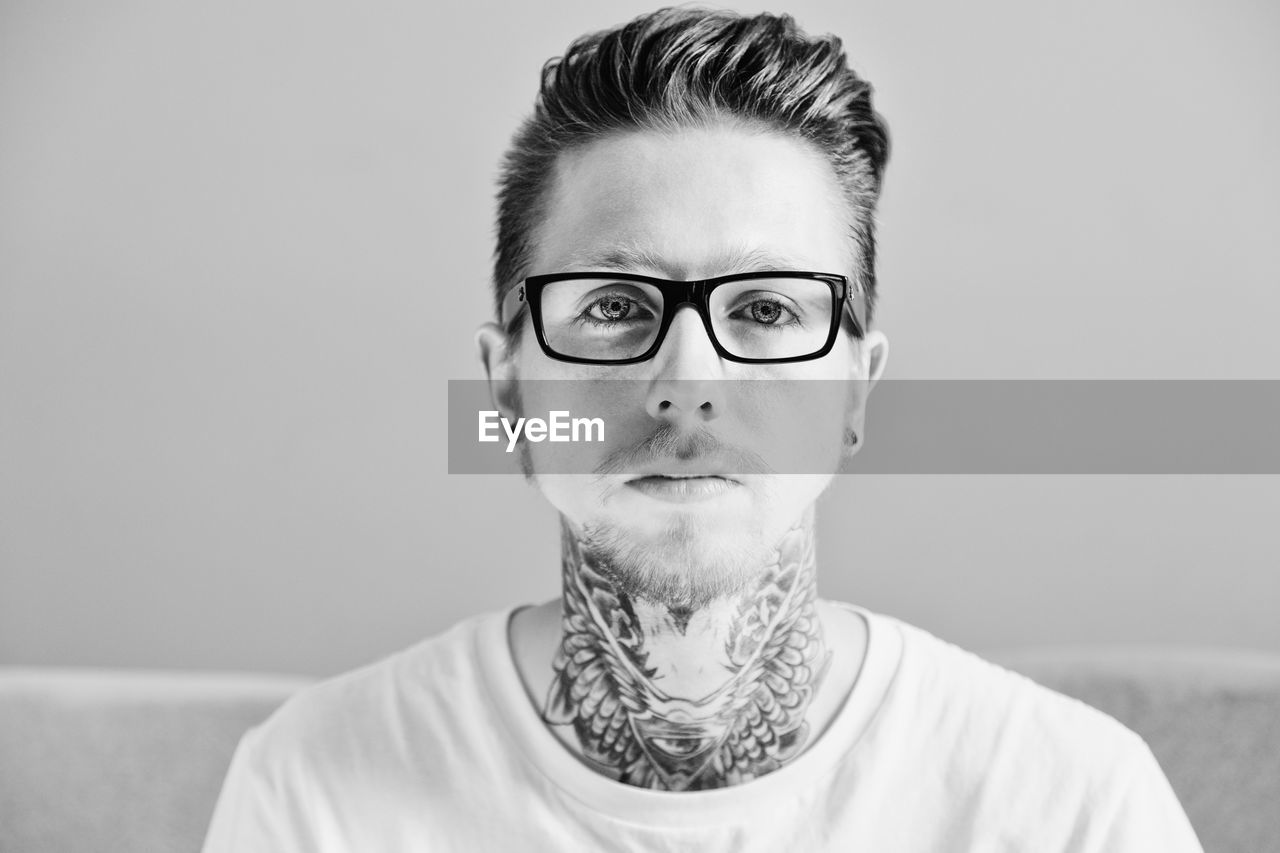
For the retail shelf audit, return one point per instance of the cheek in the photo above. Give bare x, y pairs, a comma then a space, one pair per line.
796, 492
598, 418
801, 429
571, 495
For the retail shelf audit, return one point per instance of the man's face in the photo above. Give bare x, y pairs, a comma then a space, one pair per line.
684, 523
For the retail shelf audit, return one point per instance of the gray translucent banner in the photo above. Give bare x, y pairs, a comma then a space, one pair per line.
738, 427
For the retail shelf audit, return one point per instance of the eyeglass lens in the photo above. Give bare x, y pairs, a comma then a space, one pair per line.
753, 318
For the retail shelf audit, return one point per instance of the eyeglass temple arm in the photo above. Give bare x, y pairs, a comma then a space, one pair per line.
511, 305
856, 306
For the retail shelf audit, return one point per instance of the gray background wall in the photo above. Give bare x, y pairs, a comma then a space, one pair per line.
243, 247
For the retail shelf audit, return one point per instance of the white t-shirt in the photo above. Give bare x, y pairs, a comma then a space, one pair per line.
438, 748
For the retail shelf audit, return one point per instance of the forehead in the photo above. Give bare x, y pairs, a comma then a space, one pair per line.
694, 203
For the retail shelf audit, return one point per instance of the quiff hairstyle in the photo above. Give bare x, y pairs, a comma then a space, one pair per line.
677, 68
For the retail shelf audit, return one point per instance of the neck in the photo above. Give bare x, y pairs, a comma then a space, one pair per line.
686, 699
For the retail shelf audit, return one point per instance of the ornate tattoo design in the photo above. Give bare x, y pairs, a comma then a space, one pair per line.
629, 728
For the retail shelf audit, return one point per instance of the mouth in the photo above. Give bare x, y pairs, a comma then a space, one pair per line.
683, 488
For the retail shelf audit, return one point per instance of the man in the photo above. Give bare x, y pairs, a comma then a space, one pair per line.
685, 245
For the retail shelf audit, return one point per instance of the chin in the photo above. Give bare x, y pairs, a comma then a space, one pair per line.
688, 562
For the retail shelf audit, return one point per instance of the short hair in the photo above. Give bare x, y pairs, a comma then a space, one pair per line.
685, 67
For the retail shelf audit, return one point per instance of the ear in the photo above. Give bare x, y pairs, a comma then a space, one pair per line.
868, 366
494, 347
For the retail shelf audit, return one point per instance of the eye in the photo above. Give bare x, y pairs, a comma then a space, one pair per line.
612, 308
767, 312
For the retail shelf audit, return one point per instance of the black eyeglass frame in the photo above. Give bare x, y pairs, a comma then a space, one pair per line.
676, 293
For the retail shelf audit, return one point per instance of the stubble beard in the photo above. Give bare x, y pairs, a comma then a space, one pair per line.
685, 566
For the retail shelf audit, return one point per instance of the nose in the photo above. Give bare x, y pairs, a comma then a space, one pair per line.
688, 384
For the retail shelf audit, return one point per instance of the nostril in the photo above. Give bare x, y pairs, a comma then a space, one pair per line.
706, 407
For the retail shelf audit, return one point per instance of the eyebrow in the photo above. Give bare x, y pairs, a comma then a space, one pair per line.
630, 257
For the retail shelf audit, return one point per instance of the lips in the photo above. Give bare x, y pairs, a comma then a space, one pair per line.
673, 469
683, 488
665, 476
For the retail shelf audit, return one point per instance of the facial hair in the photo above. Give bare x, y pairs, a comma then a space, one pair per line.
679, 568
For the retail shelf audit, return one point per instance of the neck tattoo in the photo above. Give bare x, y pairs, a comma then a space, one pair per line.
631, 729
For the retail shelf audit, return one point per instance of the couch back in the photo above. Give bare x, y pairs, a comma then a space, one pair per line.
1210, 716
110, 761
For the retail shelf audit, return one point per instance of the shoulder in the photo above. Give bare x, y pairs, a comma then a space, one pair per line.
320, 767
371, 709
1005, 723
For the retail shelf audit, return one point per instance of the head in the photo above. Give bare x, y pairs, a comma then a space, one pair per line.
688, 145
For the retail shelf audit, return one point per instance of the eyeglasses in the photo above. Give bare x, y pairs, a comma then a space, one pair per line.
620, 318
